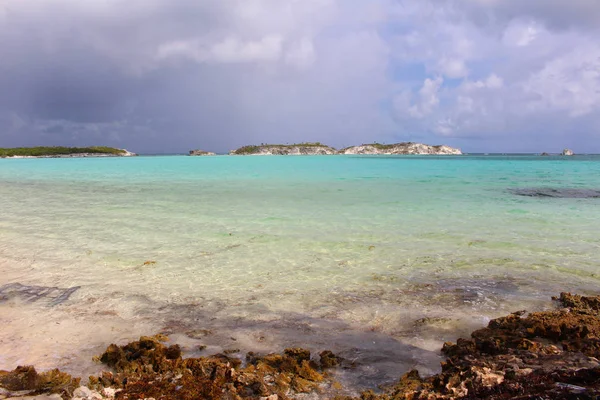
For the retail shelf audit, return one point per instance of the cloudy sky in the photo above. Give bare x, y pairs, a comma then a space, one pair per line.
171, 75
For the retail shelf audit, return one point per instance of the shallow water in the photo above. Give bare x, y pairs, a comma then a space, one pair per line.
380, 259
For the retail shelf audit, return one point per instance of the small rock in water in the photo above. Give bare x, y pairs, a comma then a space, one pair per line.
53, 295
564, 193
567, 152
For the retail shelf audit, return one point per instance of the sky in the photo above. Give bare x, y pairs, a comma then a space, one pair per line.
167, 76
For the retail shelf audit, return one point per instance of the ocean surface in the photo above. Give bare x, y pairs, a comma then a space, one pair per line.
378, 258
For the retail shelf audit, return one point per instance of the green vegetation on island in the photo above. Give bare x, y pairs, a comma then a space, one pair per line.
376, 145
58, 151
380, 146
253, 149
318, 148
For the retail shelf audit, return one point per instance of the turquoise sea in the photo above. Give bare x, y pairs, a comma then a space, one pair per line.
378, 258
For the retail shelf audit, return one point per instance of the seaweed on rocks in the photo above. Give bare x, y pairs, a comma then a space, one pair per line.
543, 355
147, 368
27, 381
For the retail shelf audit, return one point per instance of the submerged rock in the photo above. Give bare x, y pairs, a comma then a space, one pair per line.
566, 193
52, 295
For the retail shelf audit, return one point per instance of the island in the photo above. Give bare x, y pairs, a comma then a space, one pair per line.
401, 148
285, 149
318, 148
199, 152
567, 152
63, 152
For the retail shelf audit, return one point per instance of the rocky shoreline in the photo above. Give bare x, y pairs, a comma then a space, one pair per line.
544, 355
407, 148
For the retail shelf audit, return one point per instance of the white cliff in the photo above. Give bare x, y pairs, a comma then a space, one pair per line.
400, 148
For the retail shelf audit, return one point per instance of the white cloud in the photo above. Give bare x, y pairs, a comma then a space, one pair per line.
234, 50
491, 82
423, 103
569, 82
227, 50
521, 33
453, 67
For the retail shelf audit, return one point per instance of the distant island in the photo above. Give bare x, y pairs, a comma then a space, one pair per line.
400, 148
321, 149
286, 149
567, 152
64, 152
199, 152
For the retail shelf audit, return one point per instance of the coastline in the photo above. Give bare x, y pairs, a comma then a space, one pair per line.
317, 148
552, 353
64, 152
79, 155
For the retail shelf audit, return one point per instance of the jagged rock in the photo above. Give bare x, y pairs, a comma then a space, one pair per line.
21, 378
543, 355
329, 360
149, 368
27, 379
551, 354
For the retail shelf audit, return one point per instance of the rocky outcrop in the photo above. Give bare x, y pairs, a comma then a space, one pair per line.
301, 149
321, 149
542, 355
567, 152
400, 148
127, 153
199, 152
149, 369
